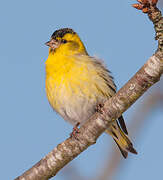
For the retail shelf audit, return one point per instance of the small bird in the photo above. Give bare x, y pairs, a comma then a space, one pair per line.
77, 83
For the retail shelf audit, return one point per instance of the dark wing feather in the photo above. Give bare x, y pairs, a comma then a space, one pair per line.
122, 124
109, 81
124, 153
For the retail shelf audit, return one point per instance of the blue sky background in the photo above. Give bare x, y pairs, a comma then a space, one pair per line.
111, 30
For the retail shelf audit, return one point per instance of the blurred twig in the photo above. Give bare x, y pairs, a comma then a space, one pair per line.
70, 172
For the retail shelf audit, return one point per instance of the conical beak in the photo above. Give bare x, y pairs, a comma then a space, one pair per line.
53, 44
47, 43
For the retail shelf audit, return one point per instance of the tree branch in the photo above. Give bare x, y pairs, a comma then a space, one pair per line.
149, 74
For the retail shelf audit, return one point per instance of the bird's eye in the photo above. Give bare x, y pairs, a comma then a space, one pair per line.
64, 41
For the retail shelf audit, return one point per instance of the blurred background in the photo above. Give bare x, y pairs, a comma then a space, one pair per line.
111, 30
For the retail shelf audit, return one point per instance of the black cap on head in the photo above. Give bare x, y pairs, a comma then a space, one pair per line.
61, 32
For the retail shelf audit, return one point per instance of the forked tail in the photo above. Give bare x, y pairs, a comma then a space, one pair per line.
123, 142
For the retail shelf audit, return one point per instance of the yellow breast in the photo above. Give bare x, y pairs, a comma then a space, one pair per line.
74, 82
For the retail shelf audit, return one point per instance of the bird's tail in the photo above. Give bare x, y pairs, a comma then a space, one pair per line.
121, 139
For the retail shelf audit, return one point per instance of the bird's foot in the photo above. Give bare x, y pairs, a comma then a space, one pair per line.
75, 131
99, 108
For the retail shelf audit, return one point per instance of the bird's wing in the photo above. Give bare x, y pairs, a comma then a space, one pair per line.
106, 75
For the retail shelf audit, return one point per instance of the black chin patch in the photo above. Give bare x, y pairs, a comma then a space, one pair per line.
61, 32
